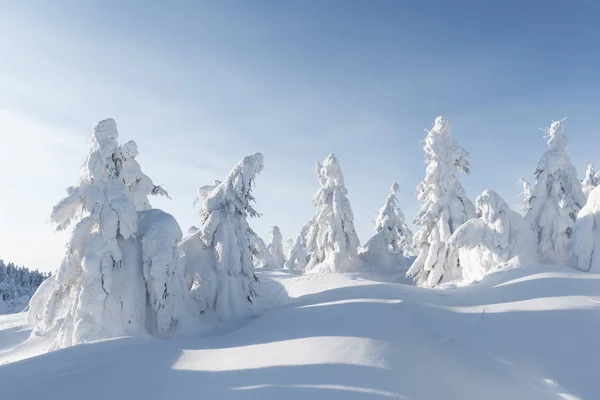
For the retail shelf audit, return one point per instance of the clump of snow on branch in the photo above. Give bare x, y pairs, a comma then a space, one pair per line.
297, 255
159, 235
226, 241
99, 290
585, 242
275, 247
445, 206
556, 198
591, 180
389, 247
500, 237
331, 239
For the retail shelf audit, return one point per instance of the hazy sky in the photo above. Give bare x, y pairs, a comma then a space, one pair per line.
200, 84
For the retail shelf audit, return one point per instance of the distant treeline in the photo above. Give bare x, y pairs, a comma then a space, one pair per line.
17, 285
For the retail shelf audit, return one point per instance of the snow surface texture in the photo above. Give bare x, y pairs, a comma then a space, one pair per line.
275, 248
100, 289
221, 251
389, 247
445, 207
342, 337
331, 239
556, 198
585, 242
499, 238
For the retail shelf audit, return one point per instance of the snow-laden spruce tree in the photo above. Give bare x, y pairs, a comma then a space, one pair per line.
297, 255
275, 247
445, 206
585, 243
556, 198
392, 243
331, 239
102, 288
591, 180
139, 185
498, 238
223, 247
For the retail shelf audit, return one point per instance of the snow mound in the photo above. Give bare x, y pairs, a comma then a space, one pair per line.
340, 336
585, 241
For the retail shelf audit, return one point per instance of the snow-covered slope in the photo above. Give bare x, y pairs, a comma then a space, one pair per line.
520, 334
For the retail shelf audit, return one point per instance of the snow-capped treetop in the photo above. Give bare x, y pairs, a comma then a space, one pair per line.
276, 247
556, 198
591, 179
203, 191
233, 195
331, 232
557, 140
139, 184
391, 220
445, 204
100, 168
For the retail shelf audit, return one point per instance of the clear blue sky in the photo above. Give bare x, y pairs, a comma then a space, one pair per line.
200, 84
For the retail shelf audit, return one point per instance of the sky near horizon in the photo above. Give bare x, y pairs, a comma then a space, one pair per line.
200, 84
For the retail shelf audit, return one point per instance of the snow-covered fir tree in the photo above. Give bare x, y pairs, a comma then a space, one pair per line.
445, 206
585, 243
275, 247
102, 286
556, 198
297, 255
331, 239
591, 180
500, 237
225, 279
392, 243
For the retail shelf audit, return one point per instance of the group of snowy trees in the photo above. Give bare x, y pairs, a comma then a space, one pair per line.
17, 285
129, 270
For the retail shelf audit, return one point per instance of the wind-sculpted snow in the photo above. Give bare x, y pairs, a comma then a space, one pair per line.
499, 238
523, 334
445, 206
585, 242
331, 240
224, 244
591, 180
556, 198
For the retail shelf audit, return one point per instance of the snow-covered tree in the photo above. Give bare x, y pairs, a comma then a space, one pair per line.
500, 237
556, 198
585, 242
139, 185
445, 206
275, 247
591, 180
392, 243
226, 278
297, 256
261, 256
331, 239
100, 290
